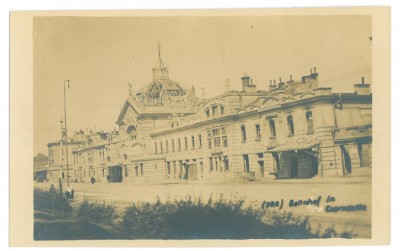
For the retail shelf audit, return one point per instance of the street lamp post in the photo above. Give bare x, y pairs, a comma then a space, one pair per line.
66, 131
61, 178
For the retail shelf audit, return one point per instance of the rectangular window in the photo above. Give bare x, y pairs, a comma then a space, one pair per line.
216, 132
186, 143
210, 164
209, 133
209, 141
168, 167
208, 113
173, 145
161, 147
155, 148
246, 165
222, 110
201, 167
224, 141
166, 146
223, 132
243, 131
226, 164
200, 143
310, 123
258, 132
193, 143
272, 128
141, 169
217, 141
290, 125
174, 166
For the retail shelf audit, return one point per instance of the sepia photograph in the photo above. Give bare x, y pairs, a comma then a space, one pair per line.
203, 127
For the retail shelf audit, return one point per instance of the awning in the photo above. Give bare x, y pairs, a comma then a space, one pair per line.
293, 147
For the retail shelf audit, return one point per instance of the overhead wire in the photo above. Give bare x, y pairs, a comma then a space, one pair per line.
347, 75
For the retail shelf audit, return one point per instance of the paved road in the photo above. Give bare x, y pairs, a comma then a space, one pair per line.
345, 190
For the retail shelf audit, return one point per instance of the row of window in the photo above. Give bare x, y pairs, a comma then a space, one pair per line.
272, 127
88, 157
260, 161
216, 164
215, 110
216, 138
138, 170
161, 146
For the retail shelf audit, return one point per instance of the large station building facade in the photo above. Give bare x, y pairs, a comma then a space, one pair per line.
166, 132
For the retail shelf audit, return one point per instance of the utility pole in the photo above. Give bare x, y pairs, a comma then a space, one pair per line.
66, 131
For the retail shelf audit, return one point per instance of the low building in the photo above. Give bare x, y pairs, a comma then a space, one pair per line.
293, 129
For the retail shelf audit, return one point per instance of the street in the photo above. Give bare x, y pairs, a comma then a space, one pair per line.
309, 197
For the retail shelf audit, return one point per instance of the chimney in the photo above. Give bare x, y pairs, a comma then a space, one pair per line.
281, 84
312, 78
271, 86
247, 84
291, 79
245, 80
363, 88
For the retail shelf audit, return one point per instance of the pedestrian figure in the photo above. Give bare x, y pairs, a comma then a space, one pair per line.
52, 189
72, 194
68, 193
92, 180
108, 178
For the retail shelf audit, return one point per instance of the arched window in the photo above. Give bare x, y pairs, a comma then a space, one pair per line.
131, 131
214, 110
290, 125
208, 113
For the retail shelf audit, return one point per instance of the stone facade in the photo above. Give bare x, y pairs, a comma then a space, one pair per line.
295, 129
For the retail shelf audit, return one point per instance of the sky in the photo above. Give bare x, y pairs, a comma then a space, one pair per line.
99, 55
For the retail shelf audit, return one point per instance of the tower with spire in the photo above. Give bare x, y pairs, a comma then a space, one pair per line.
160, 72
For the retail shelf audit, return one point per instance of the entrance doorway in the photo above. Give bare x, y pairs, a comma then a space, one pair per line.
294, 167
115, 173
314, 162
191, 171
261, 166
